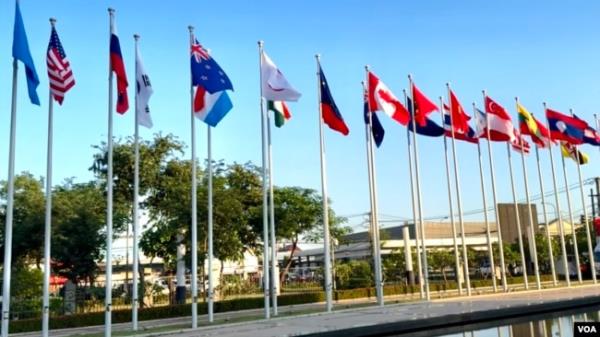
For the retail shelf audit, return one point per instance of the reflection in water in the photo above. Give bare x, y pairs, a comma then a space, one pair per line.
555, 327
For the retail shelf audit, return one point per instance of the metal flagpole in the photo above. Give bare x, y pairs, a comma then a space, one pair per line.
375, 215
517, 216
9, 207
136, 191
109, 210
414, 210
419, 203
459, 202
263, 120
548, 237
597, 125
450, 204
274, 276
48, 217
561, 229
211, 297
326, 239
194, 210
585, 215
573, 233
531, 233
495, 198
485, 216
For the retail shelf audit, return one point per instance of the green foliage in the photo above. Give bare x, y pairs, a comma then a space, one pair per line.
441, 260
353, 274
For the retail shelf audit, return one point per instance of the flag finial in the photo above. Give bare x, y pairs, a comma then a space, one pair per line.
318, 56
52, 21
410, 77
260, 43
111, 11
136, 37
367, 67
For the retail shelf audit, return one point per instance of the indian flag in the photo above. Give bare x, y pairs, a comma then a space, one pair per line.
281, 112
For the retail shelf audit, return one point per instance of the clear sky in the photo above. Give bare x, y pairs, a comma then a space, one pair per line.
537, 50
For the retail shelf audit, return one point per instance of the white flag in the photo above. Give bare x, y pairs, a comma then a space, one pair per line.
275, 87
143, 92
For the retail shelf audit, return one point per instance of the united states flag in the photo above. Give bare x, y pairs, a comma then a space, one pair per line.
59, 69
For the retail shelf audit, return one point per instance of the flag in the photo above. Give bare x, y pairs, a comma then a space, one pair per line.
519, 144
376, 127
330, 113
423, 106
590, 135
211, 108
570, 151
430, 128
501, 126
206, 71
468, 136
60, 74
460, 120
529, 125
118, 67
143, 91
20, 51
381, 98
565, 128
281, 112
275, 86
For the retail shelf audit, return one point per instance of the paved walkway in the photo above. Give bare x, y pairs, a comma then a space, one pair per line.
411, 317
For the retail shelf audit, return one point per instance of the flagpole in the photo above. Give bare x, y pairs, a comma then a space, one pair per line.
450, 204
375, 215
136, 190
557, 210
211, 295
573, 233
263, 119
495, 198
194, 211
326, 238
414, 209
597, 124
517, 216
419, 203
48, 215
585, 215
548, 237
274, 276
109, 210
531, 234
459, 202
485, 215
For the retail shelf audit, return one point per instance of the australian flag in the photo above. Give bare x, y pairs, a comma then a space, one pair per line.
206, 72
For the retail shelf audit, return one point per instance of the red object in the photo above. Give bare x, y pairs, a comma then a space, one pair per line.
60, 74
118, 67
329, 110
423, 106
567, 128
500, 123
460, 120
57, 280
494, 108
542, 139
519, 144
597, 226
382, 98
199, 98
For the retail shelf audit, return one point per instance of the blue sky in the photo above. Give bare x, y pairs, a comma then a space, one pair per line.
537, 50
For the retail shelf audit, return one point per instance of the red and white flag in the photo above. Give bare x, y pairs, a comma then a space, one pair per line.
382, 98
59, 69
499, 122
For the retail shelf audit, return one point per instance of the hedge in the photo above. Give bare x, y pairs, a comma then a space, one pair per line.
123, 316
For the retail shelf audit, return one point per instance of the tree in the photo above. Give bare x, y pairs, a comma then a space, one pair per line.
28, 219
79, 236
440, 259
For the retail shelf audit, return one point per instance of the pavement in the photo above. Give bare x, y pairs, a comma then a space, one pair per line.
398, 319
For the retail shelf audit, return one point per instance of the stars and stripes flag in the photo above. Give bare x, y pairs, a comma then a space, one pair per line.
59, 69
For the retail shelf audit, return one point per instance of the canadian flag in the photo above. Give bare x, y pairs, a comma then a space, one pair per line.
382, 98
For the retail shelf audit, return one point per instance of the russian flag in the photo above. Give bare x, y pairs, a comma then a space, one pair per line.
211, 108
330, 113
118, 67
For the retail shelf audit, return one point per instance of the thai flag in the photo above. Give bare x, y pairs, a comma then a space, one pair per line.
118, 67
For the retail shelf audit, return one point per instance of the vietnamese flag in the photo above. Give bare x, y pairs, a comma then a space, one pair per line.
423, 106
329, 111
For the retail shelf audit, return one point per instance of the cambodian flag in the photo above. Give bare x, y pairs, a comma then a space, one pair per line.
330, 113
118, 67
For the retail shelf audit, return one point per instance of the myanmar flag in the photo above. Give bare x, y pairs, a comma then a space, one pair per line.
281, 112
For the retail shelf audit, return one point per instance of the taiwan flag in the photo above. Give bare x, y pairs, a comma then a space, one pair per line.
329, 111
118, 67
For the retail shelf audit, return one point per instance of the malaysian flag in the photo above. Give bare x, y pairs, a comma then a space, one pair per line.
59, 68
